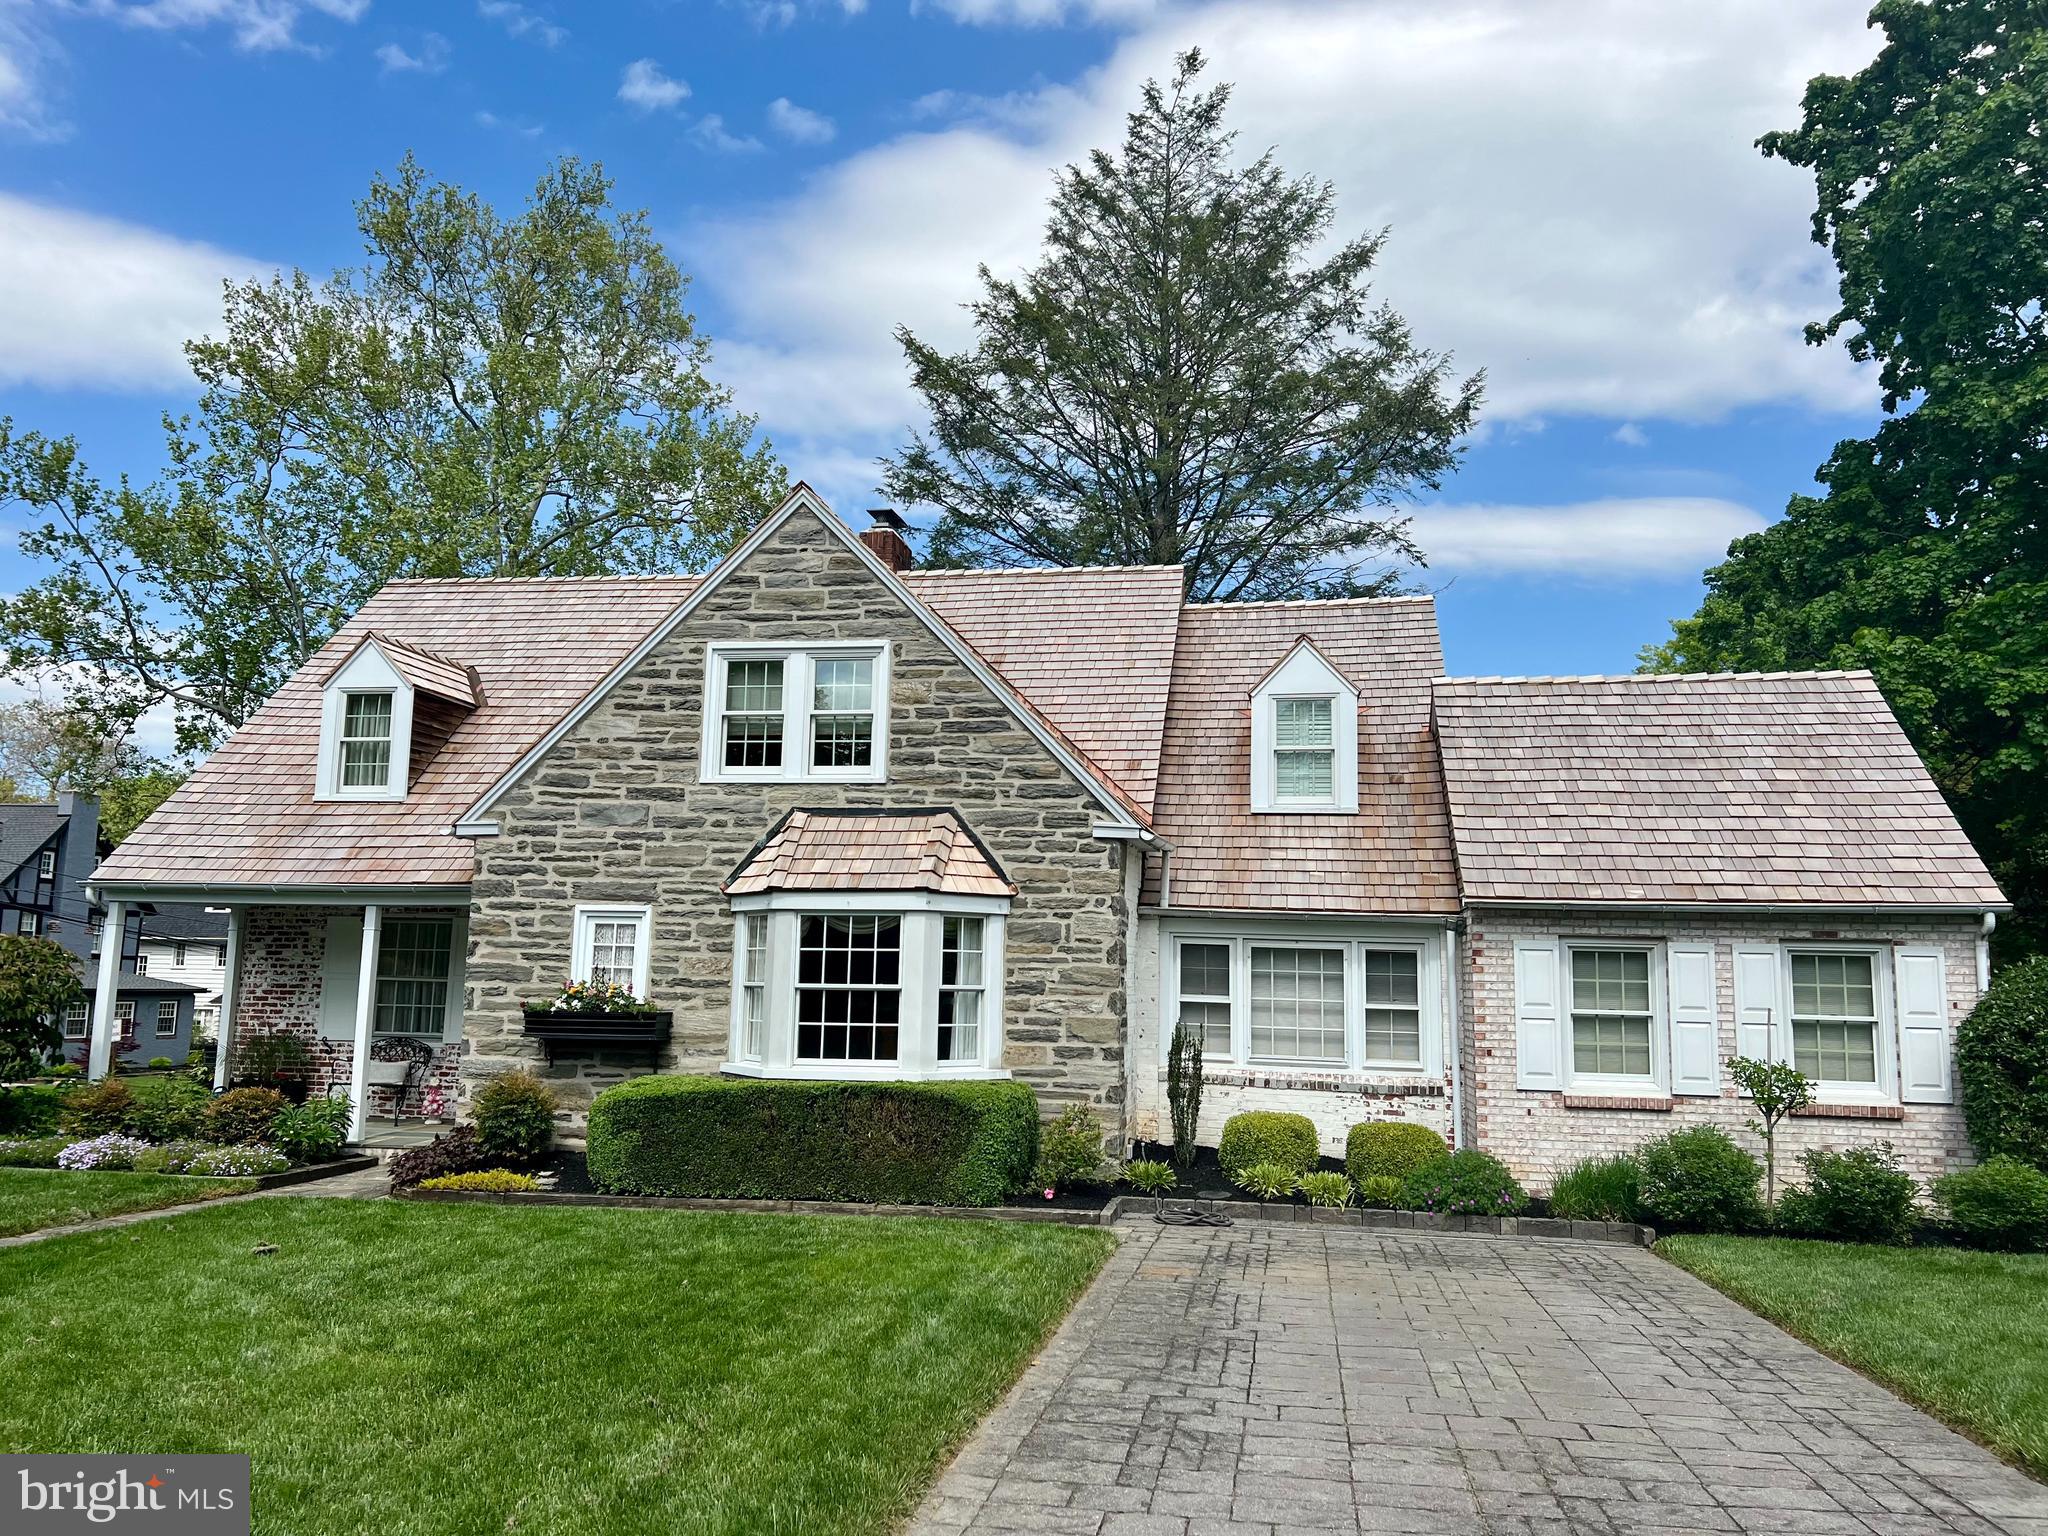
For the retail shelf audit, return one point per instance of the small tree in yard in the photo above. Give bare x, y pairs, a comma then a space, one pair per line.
1775, 1090
1184, 1093
38, 982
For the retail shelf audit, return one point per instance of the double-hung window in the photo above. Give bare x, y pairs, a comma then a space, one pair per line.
77, 1021
1204, 991
849, 987
1304, 752
124, 1017
166, 1018
46, 865
1304, 737
415, 969
1327, 1004
796, 715
753, 978
1835, 1017
963, 983
1612, 1013
365, 742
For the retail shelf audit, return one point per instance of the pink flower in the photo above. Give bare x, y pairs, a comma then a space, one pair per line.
1048, 1194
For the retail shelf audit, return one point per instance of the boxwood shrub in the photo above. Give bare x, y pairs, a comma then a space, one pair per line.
892, 1143
1267, 1136
1391, 1149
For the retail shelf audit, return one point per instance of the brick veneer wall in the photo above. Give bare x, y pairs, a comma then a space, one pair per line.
616, 813
1538, 1133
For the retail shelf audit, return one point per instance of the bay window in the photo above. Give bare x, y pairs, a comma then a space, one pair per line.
962, 986
849, 987
783, 714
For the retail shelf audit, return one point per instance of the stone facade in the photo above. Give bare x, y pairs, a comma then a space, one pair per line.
615, 812
1538, 1133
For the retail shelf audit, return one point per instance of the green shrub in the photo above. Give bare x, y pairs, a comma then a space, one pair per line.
1467, 1183
1599, 1189
1150, 1178
1267, 1136
1699, 1180
1858, 1196
32, 1152
1381, 1192
98, 1109
1326, 1188
167, 1108
1268, 1181
312, 1132
241, 1116
1390, 1148
159, 1063
1070, 1151
31, 1110
490, 1181
65, 1069
2002, 1203
2002, 1065
515, 1117
277, 1061
909, 1143
459, 1150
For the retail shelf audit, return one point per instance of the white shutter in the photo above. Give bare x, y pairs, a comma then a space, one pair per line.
1922, 998
1695, 1021
341, 963
1538, 1042
1758, 988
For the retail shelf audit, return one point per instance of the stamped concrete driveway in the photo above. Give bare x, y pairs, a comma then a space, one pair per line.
1267, 1379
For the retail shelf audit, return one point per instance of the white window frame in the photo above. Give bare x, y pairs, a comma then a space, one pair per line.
178, 956
1242, 937
124, 1018
30, 925
1885, 1091
923, 916
1616, 1084
368, 671
1305, 674
799, 668
588, 915
46, 864
162, 1033
78, 1021
458, 947
141, 961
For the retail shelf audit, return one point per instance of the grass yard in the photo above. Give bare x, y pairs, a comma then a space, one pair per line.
1964, 1335
436, 1368
34, 1198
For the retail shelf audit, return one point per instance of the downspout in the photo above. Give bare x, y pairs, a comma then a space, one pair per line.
1984, 931
1452, 960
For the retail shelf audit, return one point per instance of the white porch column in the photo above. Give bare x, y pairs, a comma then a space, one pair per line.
236, 918
113, 936
366, 1023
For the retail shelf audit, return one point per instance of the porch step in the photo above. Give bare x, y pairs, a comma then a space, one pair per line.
386, 1141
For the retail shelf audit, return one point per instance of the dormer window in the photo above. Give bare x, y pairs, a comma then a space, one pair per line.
366, 741
792, 714
1304, 737
384, 711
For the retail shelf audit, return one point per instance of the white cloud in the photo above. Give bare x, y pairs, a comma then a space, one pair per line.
1574, 195
514, 125
1629, 435
643, 87
518, 21
88, 302
711, 132
1039, 13
782, 13
431, 58
800, 125
1620, 537
259, 26
24, 51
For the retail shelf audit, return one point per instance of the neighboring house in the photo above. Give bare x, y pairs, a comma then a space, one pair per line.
851, 820
188, 942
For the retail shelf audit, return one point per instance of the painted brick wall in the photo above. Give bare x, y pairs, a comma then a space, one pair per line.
1536, 1134
616, 813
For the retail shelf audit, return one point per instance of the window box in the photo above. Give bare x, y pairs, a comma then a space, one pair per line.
560, 1029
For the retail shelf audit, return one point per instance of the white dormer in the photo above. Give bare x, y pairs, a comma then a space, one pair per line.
367, 710
1305, 738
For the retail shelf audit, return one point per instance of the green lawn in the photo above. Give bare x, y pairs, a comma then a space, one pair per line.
434, 1368
1964, 1335
34, 1198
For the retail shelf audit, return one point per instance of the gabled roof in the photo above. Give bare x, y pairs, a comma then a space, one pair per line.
183, 920
1766, 788
430, 674
857, 851
24, 827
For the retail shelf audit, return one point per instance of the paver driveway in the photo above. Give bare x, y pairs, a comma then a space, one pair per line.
1283, 1378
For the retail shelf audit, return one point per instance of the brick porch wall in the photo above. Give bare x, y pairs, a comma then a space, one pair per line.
1539, 1133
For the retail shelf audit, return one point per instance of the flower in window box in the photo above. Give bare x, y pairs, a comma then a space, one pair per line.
591, 997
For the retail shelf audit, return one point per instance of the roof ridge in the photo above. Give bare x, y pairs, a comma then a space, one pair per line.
1316, 602
1029, 570
534, 581
1658, 677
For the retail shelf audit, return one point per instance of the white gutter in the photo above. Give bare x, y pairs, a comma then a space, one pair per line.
279, 895
1820, 908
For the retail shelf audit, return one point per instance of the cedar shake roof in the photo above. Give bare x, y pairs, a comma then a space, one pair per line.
1778, 787
837, 851
430, 674
1393, 856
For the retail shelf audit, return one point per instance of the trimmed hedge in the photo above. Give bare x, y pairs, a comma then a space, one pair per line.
1391, 1149
2002, 1065
1257, 1136
887, 1143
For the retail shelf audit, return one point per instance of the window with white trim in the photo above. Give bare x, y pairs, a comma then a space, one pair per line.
849, 986
1612, 1015
1304, 751
366, 718
415, 967
31, 924
611, 947
166, 1018
962, 986
178, 955
141, 962
753, 979
46, 865
1205, 993
124, 1017
1304, 737
365, 742
793, 715
77, 1021
1393, 1005
1297, 1004
1835, 1021
1330, 1004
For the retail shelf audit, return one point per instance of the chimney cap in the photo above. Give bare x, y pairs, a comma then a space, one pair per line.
888, 517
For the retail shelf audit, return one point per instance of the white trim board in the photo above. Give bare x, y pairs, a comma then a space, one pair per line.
476, 822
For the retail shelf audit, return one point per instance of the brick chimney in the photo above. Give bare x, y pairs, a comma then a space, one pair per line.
886, 539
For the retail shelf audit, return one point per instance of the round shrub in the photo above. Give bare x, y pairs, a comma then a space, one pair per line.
1381, 1192
515, 1117
1070, 1151
2002, 1065
2002, 1203
159, 1063
1267, 1136
1698, 1180
1468, 1183
242, 1116
1858, 1196
1599, 1189
1390, 1148
488, 1181
97, 1109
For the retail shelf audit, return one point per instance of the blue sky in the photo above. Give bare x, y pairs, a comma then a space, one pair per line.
1574, 200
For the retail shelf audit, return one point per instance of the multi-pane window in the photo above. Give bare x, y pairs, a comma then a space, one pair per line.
753, 714
1834, 1017
848, 987
1304, 750
1393, 1006
962, 983
414, 960
142, 962
46, 866
1611, 1012
77, 1021
166, 1018
1297, 1000
366, 741
615, 951
753, 983
1205, 994
843, 712
124, 1017
178, 955
32, 923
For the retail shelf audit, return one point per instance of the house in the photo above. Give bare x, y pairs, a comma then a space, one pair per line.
188, 942
848, 819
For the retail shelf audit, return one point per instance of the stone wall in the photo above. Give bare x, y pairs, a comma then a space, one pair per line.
1538, 1133
615, 812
